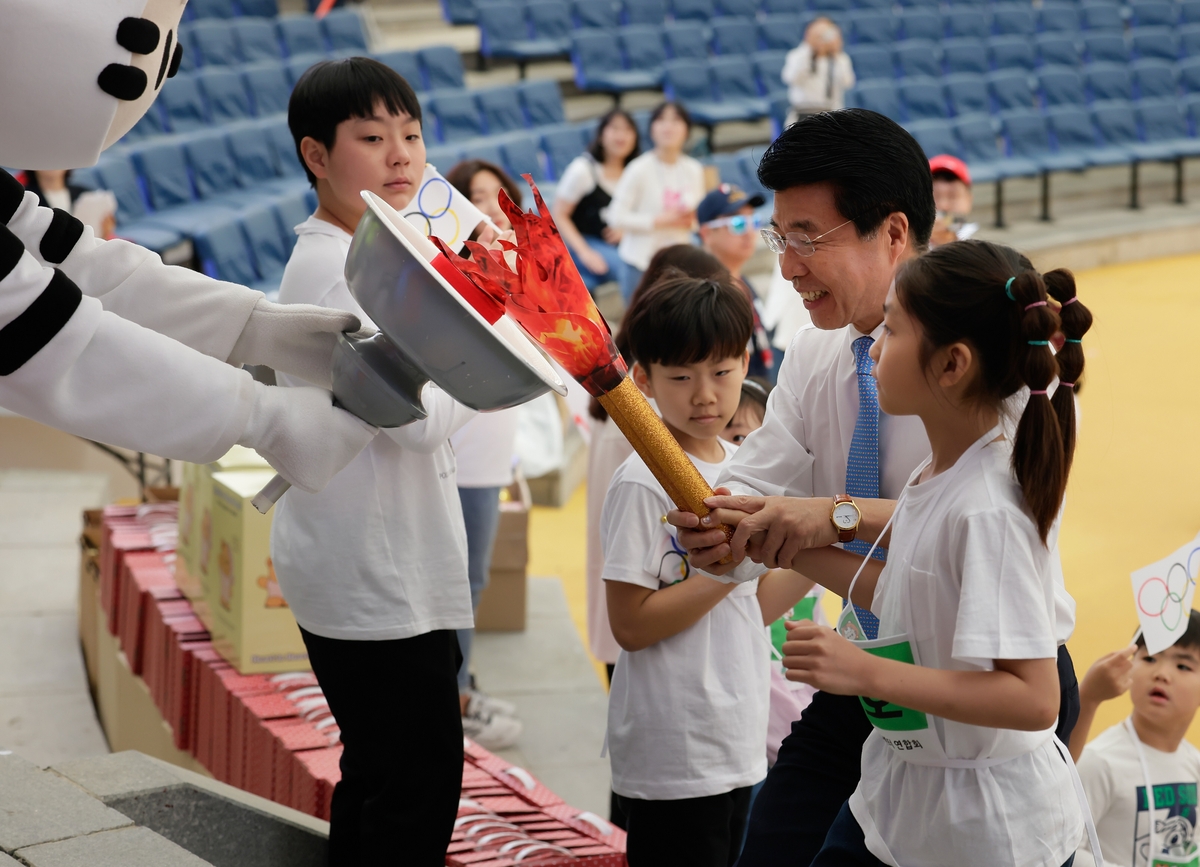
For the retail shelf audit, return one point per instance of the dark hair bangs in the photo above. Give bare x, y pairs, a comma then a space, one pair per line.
684, 320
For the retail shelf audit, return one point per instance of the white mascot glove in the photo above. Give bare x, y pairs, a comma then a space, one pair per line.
293, 338
303, 435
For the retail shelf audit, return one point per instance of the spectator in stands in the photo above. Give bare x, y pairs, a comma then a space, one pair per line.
481, 182
583, 195
654, 205
729, 230
55, 190
953, 200
817, 72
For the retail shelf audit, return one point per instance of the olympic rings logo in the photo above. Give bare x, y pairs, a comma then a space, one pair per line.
1163, 597
433, 202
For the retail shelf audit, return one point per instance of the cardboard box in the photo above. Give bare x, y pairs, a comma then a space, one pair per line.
252, 626
502, 605
89, 590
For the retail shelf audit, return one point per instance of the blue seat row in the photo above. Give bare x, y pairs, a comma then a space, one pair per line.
926, 98
219, 42
461, 115
252, 247
197, 9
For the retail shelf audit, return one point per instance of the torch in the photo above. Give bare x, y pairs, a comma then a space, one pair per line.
538, 285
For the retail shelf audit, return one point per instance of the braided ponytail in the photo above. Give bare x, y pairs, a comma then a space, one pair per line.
1075, 321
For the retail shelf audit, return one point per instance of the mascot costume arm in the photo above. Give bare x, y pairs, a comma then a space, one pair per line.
73, 79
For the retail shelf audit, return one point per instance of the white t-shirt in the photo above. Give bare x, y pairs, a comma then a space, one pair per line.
606, 452
582, 175
381, 552
646, 189
819, 86
687, 716
970, 582
483, 449
1116, 791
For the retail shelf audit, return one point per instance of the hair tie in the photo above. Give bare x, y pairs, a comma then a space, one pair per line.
1039, 391
1074, 340
1067, 384
1038, 342
1070, 300
1029, 307
1008, 289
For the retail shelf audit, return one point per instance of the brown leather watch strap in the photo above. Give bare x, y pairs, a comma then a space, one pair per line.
843, 535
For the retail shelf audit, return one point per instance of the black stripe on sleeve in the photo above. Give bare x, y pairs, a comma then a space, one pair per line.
11, 193
24, 337
11, 249
62, 236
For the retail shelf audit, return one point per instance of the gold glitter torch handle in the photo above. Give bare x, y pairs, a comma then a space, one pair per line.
632, 413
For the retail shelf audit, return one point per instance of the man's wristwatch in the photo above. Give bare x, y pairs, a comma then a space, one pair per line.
845, 517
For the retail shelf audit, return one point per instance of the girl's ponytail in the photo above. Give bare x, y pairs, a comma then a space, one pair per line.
1076, 320
1038, 457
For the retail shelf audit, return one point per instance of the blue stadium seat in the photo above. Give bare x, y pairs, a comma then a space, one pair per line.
1071, 129
685, 40
980, 148
875, 29
871, 61
734, 83
1191, 104
292, 210
768, 65
443, 67
922, 24
729, 169
691, 10
223, 252
443, 157
1152, 13
405, 63
259, 8
967, 93
935, 137
1030, 150
268, 86
967, 22
457, 116
163, 166
735, 36
214, 171
183, 104
644, 54
253, 155
550, 25
1011, 89
1011, 52
1013, 19
265, 237
688, 82
214, 42
1105, 81
1189, 74
521, 157
965, 55
644, 12
483, 149
561, 144
1189, 12
1057, 49
922, 99
605, 14
149, 125
542, 101
298, 64
1101, 17
596, 56
1153, 79
212, 9
344, 30
501, 109
225, 93
1156, 42
504, 30
116, 173
187, 60
1061, 85
929, 4
300, 34
1117, 126
1189, 40
918, 57
736, 8
1164, 131
782, 32
1105, 48
877, 96
1059, 18
783, 7
458, 11
257, 39
284, 146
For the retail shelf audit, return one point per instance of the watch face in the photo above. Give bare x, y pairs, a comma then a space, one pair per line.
845, 516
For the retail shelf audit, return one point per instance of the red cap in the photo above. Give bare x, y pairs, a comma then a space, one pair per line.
956, 167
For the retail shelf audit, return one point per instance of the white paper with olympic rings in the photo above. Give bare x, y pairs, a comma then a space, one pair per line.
1163, 594
440, 209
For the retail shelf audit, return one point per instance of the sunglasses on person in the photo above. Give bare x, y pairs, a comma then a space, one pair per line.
738, 224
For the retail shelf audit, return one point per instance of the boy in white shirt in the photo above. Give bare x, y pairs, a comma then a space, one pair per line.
687, 713
375, 566
1165, 690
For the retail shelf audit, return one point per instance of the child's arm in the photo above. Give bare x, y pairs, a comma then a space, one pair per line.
1020, 694
1109, 677
640, 616
834, 568
779, 590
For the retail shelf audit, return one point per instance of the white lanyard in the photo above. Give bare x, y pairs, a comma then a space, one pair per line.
1141, 753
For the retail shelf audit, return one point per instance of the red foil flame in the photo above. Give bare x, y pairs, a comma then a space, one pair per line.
545, 295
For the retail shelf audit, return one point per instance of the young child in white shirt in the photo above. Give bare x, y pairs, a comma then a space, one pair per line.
1165, 691
962, 765
687, 710
375, 566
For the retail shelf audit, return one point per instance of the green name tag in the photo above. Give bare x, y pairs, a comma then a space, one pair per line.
883, 714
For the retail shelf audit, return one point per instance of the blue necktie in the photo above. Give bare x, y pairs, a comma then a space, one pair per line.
862, 463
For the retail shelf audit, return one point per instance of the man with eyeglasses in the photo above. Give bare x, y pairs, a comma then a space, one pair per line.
853, 200
729, 231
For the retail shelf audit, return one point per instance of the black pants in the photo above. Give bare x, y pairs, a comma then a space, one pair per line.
396, 703
818, 769
692, 832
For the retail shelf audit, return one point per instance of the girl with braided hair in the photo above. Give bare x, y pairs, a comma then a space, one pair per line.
961, 687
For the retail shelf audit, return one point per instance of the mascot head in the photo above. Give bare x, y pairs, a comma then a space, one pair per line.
75, 77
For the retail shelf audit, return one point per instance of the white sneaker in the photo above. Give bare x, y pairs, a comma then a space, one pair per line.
491, 731
485, 703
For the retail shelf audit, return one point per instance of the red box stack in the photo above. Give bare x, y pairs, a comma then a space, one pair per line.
141, 571
314, 774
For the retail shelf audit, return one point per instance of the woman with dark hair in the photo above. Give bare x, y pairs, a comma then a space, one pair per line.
584, 192
655, 203
481, 182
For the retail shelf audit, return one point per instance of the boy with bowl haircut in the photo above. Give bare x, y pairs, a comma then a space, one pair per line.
687, 711
374, 567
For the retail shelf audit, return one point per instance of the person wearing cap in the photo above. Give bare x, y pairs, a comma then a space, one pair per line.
729, 231
953, 199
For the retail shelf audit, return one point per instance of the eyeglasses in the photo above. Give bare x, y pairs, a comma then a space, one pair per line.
738, 224
798, 241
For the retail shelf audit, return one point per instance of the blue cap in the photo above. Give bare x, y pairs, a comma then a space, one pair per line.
725, 201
